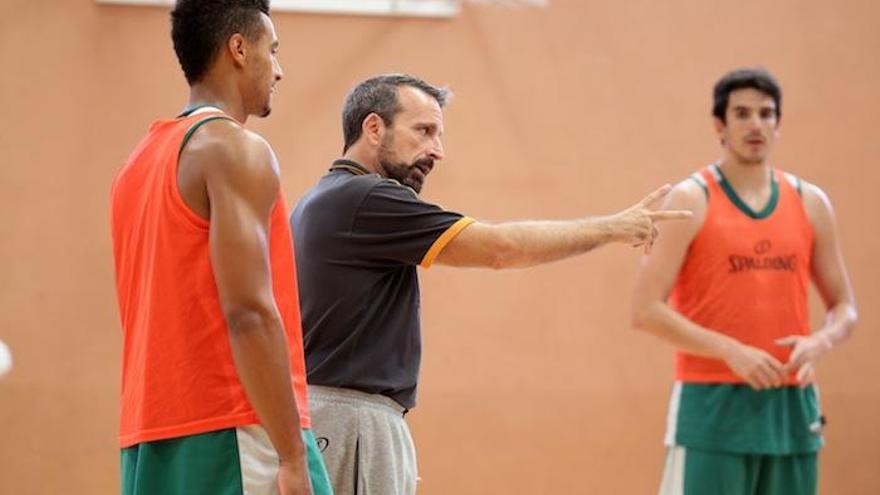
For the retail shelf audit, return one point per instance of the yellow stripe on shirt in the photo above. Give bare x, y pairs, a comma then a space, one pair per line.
443, 240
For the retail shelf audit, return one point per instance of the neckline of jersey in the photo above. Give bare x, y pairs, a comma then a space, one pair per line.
734, 198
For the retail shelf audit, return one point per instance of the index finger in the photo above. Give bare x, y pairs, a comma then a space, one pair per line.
670, 214
656, 195
795, 361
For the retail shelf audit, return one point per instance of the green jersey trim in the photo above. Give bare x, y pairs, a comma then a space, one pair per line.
741, 205
701, 182
193, 109
194, 128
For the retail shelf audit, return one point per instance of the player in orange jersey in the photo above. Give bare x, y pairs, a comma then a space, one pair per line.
213, 380
728, 288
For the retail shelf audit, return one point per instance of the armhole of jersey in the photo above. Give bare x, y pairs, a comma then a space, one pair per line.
444, 239
795, 181
702, 183
715, 171
194, 218
195, 127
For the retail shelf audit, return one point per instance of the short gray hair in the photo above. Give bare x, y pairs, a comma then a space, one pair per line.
379, 95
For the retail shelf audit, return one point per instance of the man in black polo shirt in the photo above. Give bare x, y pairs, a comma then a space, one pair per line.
360, 233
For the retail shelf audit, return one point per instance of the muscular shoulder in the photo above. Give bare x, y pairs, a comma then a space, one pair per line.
817, 204
223, 147
689, 194
814, 195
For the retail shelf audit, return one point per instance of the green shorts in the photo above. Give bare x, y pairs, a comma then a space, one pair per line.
234, 461
727, 439
692, 471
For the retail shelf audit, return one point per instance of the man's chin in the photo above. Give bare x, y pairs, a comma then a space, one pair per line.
752, 158
414, 184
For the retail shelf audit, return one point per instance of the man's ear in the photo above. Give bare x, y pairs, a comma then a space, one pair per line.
720, 127
373, 129
237, 48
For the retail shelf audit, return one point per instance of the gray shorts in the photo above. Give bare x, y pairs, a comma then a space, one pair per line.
365, 441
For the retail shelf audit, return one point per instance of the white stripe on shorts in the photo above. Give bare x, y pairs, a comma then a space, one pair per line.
673, 473
258, 460
672, 415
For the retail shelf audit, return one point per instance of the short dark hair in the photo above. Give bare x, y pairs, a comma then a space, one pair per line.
755, 78
379, 95
200, 27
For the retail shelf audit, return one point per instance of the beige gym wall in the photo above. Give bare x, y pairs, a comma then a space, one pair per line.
533, 381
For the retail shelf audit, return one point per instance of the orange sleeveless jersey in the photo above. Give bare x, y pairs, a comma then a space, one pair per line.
745, 277
178, 376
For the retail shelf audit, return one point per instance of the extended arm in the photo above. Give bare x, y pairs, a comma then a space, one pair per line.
528, 243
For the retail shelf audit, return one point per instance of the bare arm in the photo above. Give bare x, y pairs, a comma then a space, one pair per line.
832, 280
528, 243
241, 185
656, 278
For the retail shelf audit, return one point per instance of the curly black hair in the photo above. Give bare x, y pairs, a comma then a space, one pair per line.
200, 27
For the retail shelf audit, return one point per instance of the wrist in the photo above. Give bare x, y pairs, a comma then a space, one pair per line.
292, 454
607, 228
727, 348
294, 462
824, 340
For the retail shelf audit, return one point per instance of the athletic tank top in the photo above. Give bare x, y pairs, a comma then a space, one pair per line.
746, 274
178, 376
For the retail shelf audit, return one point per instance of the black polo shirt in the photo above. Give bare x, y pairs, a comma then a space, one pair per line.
358, 239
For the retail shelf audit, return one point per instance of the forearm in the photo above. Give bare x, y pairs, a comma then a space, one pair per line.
839, 323
529, 243
659, 319
259, 350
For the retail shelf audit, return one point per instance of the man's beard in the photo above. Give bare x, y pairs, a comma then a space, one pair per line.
411, 175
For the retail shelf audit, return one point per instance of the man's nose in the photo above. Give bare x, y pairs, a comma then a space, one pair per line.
436, 151
278, 72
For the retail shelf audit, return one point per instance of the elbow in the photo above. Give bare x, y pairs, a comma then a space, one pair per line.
844, 316
501, 253
853, 317
247, 318
500, 261
638, 317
